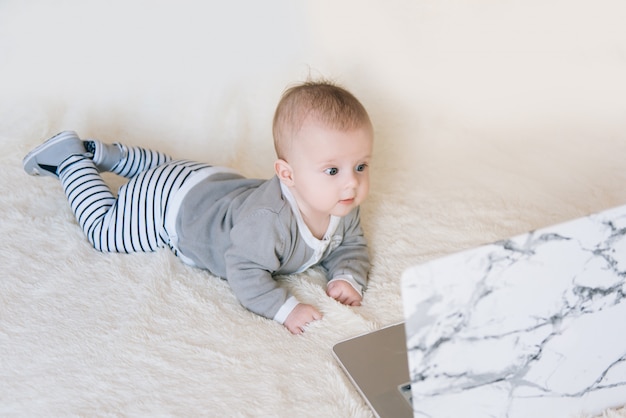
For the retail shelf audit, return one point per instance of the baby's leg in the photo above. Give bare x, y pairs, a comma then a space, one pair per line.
124, 160
132, 222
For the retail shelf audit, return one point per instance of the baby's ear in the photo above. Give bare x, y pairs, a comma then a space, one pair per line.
284, 172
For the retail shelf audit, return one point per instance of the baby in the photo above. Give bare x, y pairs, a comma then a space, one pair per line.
244, 230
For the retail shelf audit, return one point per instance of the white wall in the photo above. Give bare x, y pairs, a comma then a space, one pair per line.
154, 71
495, 71
468, 80
516, 100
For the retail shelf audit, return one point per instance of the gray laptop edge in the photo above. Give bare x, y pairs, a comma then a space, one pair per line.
377, 365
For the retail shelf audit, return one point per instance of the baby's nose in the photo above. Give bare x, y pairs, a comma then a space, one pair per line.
352, 181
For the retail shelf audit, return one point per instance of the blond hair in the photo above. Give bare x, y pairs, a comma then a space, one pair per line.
325, 102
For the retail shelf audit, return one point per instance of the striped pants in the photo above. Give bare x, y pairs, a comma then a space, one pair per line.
134, 220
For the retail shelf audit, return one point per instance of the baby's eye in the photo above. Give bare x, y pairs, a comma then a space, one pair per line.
331, 171
361, 167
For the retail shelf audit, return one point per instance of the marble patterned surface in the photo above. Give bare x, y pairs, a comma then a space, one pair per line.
533, 326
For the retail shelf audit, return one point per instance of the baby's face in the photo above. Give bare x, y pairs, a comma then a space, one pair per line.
330, 169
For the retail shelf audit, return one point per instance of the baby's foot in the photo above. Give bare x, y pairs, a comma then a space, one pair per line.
45, 159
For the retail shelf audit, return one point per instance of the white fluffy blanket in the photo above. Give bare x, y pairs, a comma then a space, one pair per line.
490, 120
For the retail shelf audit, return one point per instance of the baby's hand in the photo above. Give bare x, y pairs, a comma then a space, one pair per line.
301, 315
342, 291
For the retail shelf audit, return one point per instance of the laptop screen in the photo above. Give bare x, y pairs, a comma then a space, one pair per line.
532, 326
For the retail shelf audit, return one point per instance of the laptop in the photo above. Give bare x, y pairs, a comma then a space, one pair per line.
528, 326
377, 365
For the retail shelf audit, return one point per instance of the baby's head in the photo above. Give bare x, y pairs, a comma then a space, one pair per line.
318, 102
323, 139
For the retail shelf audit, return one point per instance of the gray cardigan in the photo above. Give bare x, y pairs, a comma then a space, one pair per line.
247, 231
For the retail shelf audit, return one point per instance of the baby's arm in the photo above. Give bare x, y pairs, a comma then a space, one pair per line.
256, 243
300, 316
343, 292
348, 264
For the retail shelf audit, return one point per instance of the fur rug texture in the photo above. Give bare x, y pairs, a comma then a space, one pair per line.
481, 134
